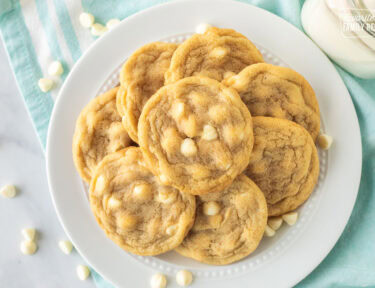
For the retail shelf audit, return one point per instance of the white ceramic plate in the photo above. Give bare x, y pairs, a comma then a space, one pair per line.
281, 261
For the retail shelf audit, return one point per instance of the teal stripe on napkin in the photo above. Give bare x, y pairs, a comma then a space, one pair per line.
68, 30
26, 68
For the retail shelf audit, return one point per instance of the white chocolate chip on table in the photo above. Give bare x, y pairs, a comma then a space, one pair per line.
83, 272
45, 84
275, 222
324, 141
8, 191
55, 68
184, 277
112, 23
158, 280
290, 218
66, 246
86, 19
29, 234
28, 247
98, 29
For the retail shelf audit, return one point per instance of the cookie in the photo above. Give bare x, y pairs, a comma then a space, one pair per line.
98, 132
143, 75
120, 95
217, 54
284, 163
196, 135
279, 92
229, 224
223, 32
134, 209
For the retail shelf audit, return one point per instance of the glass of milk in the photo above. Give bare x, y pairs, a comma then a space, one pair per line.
345, 31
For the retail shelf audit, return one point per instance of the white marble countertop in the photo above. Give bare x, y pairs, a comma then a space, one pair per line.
22, 163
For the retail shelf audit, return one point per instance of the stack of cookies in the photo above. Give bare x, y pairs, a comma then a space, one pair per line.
197, 147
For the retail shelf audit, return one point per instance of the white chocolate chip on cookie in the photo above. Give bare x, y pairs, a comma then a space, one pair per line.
211, 208
325, 141
166, 195
189, 126
209, 133
218, 52
202, 28
127, 222
290, 218
142, 191
188, 147
113, 203
178, 110
171, 230
100, 184
184, 278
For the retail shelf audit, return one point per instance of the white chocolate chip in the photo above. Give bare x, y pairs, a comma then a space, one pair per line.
166, 196
163, 179
324, 141
211, 208
98, 29
290, 218
127, 222
275, 222
83, 272
55, 68
228, 74
209, 133
142, 191
66, 246
184, 277
202, 28
28, 247
86, 19
29, 234
114, 203
100, 184
171, 230
158, 280
269, 232
45, 84
8, 191
178, 110
218, 52
188, 147
112, 23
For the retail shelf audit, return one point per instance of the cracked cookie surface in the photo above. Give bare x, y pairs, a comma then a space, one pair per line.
217, 54
229, 224
137, 212
284, 163
98, 132
279, 92
196, 135
142, 75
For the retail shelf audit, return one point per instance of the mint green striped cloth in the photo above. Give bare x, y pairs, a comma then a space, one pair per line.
36, 32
